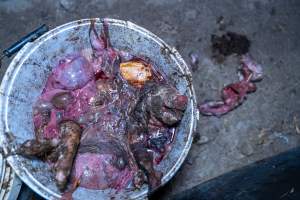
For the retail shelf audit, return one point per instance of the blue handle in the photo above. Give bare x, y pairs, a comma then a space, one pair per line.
28, 38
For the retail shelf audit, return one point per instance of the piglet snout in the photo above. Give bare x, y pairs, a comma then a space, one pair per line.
180, 102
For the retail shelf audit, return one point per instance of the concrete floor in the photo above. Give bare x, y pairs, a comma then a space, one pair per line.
263, 126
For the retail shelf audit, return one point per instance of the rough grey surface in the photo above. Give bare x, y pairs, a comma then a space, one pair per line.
264, 125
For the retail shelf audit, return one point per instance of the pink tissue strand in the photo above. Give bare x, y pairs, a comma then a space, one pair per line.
234, 94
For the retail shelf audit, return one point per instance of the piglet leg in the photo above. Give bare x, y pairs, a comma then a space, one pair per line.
145, 162
71, 133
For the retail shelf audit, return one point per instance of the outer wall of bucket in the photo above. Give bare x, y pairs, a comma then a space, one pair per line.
10, 184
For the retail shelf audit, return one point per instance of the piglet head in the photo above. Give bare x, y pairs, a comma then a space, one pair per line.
166, 104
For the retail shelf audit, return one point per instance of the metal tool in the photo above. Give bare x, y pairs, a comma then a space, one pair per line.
24, 40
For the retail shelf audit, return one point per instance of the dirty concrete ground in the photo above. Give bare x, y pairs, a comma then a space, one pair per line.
266, 124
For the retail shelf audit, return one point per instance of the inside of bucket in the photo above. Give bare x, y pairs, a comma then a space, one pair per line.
29, 75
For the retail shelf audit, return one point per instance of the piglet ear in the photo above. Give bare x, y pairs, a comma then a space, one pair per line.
95, 41
105, 35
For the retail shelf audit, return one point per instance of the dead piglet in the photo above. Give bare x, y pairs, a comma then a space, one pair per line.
158, 106
144, 159
70, 133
